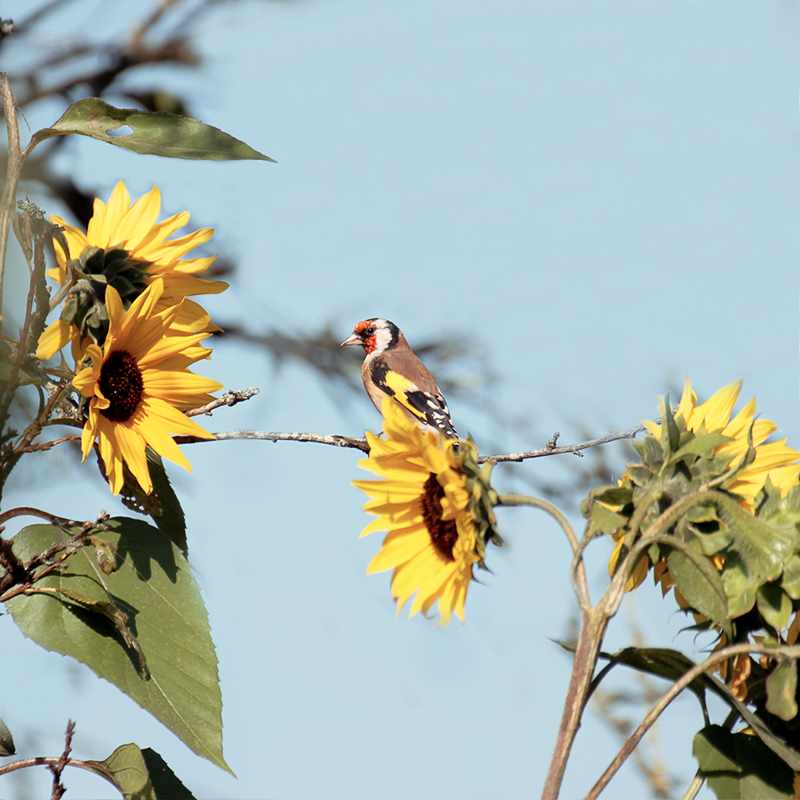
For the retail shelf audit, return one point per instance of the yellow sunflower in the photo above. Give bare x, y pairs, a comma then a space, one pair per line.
137, 383
126, 248
424, 503
773, 460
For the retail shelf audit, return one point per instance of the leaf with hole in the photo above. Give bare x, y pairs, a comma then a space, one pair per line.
156, 133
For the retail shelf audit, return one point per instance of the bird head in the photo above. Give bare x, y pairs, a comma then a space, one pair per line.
373, 335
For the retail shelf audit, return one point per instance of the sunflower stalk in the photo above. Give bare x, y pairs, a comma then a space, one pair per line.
595, 621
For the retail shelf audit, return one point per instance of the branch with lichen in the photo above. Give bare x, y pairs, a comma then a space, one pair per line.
338, 440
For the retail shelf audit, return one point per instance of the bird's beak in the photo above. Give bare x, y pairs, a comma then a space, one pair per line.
353, 338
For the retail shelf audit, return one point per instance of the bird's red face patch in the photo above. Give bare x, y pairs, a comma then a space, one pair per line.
366, 330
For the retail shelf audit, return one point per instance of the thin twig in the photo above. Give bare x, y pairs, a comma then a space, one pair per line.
58, 767
97, 767
550, 448
227, 399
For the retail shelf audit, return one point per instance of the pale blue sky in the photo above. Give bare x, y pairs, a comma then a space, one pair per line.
600, 196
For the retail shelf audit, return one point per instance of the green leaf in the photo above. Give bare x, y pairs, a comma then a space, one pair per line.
791, 577
664, 663
640, 474
699, 582
704, 444
668, 426
739, 766
762, 548
7, 747
162, 504
604, 520
154, 133
143, 775
105, 608
672, 664
739, 588
774, 605
781, 690
153, 585
772, 507
612, 495
129, 773
652, 451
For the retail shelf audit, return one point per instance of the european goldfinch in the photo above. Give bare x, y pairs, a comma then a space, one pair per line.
391, 369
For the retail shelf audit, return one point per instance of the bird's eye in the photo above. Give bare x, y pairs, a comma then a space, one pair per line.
368, 331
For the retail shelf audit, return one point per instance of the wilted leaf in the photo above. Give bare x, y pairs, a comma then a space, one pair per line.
153, 132
154, 587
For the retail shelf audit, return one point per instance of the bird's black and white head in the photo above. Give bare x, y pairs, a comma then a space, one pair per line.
374, 335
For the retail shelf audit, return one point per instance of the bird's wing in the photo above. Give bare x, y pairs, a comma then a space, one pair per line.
426, 407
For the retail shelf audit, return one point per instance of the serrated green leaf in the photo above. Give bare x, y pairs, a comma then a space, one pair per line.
782, 689
7, 747
774, 605
155, 133
154, 586
143, 775
741, 767
699, 582
106, 608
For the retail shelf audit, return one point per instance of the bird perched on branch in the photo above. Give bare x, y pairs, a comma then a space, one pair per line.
391, 369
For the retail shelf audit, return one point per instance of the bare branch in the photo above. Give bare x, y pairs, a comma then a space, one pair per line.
550, 448
334, 439
227, 399
337, 440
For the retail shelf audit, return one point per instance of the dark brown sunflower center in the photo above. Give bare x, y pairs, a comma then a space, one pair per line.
122, 385
443, 533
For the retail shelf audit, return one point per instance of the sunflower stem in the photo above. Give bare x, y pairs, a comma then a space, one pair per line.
13, 171
593, 626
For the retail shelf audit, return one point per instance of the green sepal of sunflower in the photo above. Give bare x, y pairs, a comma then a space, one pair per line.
94, 271
482, 497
